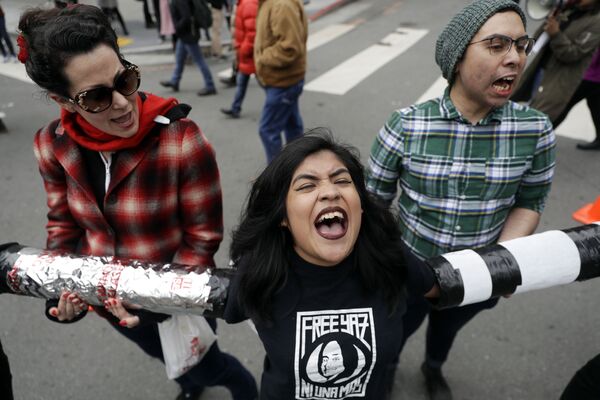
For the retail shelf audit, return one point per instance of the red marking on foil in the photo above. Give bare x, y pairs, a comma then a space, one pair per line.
181, 283
12, 278
111, 273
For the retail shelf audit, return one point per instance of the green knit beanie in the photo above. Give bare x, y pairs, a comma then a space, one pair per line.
455, 37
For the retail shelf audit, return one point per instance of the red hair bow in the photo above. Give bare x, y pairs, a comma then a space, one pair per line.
23, 50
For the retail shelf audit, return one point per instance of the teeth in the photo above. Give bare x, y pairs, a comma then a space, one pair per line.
331, 215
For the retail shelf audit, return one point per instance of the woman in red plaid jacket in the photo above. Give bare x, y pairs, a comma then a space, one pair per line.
126, 175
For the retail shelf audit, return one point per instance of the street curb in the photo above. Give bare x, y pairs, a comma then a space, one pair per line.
330, 8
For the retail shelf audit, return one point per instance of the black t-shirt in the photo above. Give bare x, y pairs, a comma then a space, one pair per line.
329, 339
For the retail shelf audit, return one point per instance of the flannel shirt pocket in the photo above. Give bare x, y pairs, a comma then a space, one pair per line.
503, 176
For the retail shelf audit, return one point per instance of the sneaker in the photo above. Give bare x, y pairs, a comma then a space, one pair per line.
174, 86
190, 394
207, 92
437, 387
230, 113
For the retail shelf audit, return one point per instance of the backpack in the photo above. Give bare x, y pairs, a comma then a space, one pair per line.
201, 14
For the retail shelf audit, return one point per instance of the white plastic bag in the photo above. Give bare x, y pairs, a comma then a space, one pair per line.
185, 339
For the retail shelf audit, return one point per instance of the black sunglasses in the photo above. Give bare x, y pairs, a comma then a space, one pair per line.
500, 45
100, 98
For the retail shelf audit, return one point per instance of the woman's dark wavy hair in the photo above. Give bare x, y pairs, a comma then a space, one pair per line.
265, 244
56, 35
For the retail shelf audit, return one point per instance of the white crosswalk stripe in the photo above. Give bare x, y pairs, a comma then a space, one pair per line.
340, 79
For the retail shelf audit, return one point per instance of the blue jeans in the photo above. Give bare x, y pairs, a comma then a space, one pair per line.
281, 112
241, 81
6, 38
215, 369
181, 52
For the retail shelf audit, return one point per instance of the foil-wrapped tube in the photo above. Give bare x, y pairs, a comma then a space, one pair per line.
533, 262
165, 288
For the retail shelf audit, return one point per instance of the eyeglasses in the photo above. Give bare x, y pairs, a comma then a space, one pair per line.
500, 45
99, 99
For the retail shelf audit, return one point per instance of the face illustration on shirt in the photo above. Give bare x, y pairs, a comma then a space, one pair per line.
323, 210
332, 360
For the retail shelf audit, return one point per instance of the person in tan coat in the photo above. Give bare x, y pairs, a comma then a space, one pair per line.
280, 60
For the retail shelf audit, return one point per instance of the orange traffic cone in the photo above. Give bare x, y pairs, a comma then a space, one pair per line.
588, 213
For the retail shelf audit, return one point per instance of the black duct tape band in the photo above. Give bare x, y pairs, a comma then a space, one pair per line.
449, 280
503, 267
587, 240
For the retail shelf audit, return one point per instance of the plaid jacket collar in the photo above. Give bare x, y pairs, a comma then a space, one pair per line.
67, 150
448, 111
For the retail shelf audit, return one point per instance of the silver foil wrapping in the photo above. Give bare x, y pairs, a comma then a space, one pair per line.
166, 288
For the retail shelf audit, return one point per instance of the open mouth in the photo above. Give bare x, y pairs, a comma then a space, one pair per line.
332, 223
123, 120
503, 86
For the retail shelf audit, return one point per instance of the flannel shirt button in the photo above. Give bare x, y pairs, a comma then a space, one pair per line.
112, 199
462, 197
457, 227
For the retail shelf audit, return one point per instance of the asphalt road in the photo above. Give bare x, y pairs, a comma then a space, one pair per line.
526, 348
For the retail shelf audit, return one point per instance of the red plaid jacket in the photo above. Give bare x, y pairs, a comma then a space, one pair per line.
163, 203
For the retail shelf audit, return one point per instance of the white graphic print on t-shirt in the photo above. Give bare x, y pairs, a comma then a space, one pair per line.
335, 353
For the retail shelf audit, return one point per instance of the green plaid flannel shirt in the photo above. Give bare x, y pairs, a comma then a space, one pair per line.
459, 181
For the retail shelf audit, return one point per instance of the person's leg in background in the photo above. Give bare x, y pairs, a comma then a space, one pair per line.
4, 36
240, 92
147, 16
591, 92
209, 84
579, 95
273, 119
116, 12
215, 32
294, 127
180, 56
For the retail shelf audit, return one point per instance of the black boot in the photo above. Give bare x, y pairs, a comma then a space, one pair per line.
437, 387
594, 145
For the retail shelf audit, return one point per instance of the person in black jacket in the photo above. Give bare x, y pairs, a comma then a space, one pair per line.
187, 43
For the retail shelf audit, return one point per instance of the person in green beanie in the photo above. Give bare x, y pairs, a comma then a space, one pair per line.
473, 167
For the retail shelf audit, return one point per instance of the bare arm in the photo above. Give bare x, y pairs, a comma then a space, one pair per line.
520, 222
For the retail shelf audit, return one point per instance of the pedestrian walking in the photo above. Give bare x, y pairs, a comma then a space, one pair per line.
243, 43
216, 7
564, 69
474, 168
280, 61
111, 9
8, 54
119, 169
187, 43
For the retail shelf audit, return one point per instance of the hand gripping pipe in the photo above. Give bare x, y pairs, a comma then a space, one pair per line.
533, 262
166, 288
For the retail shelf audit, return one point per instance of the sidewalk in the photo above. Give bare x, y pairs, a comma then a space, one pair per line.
146, 40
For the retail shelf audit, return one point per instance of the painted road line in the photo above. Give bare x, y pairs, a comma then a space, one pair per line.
15, 71
341, 79
435, 90
317, 39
